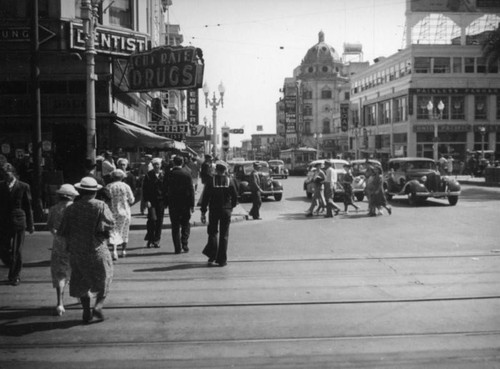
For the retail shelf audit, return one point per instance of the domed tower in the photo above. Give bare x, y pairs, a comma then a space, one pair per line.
321, 59
320, 77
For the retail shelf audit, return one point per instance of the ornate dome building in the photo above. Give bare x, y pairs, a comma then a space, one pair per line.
319, 80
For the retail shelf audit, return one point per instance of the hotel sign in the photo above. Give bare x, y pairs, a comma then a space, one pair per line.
109, 41
166, 67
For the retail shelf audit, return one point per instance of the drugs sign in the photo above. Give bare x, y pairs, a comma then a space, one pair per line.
165, 68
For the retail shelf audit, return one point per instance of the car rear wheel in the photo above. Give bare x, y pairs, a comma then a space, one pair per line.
453, 200
278, 196
360, 196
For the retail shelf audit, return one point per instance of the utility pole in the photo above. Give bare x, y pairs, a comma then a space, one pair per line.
36, 185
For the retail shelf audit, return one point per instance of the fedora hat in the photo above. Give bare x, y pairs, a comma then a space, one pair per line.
88, 184
67, 190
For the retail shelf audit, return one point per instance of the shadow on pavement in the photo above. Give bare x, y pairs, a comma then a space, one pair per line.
18, 330
174, 267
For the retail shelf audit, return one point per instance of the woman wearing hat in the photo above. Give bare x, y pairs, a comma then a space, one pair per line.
120, 198
60, 268
86, 226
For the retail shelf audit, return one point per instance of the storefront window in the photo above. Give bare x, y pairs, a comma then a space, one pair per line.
480, 107
422, 112
457, 107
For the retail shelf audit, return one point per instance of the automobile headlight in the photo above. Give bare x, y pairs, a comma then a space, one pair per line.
423, 179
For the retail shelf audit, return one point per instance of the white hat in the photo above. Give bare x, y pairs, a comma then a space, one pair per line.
88, 184
156, 160
67, 190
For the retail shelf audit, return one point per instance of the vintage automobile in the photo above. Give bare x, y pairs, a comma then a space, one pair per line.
337, 165
277, 169
419, 179
270, 186
359, 167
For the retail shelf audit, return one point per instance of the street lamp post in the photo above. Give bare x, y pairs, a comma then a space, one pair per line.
482, 130
435, 117
317, 137
214, 103
89, 15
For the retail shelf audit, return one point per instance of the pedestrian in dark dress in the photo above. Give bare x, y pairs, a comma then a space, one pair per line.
16, 217
220, 198
155, 195
256, 191
86, 226
180, 205
347, 184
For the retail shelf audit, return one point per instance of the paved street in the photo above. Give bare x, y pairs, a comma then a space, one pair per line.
417, 289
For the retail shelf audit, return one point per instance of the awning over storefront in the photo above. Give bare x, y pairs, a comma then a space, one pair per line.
126, 134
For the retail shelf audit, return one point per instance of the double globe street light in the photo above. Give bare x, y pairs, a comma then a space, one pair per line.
435, 116
214, 103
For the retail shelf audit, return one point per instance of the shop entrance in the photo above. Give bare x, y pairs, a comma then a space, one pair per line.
70, 151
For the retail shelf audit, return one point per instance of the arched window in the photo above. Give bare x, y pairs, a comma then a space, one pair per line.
326, 93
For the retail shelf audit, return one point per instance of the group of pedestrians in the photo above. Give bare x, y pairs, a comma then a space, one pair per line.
91, 221
326, 182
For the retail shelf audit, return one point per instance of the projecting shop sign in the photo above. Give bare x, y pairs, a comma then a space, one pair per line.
164, 68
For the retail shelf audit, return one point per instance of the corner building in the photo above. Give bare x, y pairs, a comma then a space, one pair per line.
425, 101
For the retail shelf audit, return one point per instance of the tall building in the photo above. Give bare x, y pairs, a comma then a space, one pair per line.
313, 100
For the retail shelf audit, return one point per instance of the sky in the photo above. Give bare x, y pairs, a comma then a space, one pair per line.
252, 46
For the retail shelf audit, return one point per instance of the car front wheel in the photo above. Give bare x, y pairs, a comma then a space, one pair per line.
453, 200
360, 196
412, 198
278, 196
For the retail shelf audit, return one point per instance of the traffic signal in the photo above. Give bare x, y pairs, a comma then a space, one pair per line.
225, 138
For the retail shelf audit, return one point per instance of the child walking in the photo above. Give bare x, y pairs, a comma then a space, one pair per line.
59, 262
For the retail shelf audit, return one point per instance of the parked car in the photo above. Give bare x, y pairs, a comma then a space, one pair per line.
419, 179
270, 186
337, 165
359, 167
277, 169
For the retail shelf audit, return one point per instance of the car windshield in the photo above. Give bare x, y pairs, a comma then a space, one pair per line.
275, 162
338, 166
419, 164
249, 167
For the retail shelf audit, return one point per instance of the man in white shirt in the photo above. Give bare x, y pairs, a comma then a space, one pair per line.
329, 190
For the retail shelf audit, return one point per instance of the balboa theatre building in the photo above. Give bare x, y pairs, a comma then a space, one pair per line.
430, 99
123, 28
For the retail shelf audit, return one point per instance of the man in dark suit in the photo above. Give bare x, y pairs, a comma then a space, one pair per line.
256, 191
220, 197
180, 204
155, 196
16, 216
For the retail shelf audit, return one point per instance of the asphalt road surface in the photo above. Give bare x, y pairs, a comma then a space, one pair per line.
416, 289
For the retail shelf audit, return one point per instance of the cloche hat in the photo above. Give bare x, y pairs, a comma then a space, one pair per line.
67, 190
88, 184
